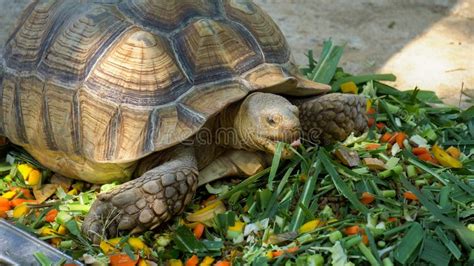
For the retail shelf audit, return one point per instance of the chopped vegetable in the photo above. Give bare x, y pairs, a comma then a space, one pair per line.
374, 164
193, 261
349, 87
51, 215
352, 230
207, 261
367, 198
409, 195
454, 152
372, 146
420, 150
20, 211
444, 158
310, 226
122, 260
198, 230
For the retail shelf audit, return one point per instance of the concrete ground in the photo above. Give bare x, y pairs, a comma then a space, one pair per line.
425, 43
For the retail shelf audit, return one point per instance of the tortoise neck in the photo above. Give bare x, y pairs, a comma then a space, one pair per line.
226, 133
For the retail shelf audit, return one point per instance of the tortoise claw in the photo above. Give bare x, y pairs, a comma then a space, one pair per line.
140, 204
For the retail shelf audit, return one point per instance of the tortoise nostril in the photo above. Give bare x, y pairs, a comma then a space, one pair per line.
273, 120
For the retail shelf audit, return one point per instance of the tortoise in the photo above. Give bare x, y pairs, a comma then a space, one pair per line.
162, 95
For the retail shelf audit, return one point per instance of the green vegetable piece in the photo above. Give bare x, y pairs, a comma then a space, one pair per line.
335, 236
411, 171
368, 254
409, 244
387, 262
63, 217
315, 260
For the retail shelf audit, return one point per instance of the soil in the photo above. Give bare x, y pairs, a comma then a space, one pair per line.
429, 43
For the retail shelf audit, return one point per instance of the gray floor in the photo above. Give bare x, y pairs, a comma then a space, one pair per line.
426, 43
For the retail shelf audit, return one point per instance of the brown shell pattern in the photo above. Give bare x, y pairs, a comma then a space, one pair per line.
114, 81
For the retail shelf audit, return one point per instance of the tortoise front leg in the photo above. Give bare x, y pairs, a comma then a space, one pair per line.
332, 117
145, 202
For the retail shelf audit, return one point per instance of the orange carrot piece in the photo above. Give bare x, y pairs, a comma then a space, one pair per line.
420, 150
26, 192
352, 230
193, 261
292, 249
18, 201
409, 195
380, 125
370, 121
365, 239
122, 260
425, 157
400, 138
4, 204
223, 263
367, 198
51, 215
386, 137
371, 111
198, 230
372, 146
391, 219
277, 253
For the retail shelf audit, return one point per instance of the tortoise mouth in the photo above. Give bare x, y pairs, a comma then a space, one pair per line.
269, 144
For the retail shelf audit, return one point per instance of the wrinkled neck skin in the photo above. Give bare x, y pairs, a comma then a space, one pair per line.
221, 133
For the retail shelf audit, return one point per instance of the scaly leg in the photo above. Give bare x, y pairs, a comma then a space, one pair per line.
145, 202
332, 117
234, 163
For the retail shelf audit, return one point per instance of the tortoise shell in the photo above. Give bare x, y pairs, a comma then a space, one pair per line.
114, 81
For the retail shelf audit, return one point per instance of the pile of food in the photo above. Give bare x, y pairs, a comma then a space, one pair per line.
403, 193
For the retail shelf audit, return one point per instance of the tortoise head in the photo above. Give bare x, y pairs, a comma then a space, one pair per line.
264, 119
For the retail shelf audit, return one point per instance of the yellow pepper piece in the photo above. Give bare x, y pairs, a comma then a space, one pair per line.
454, 152
137, 244
20, 211
349, 87
142, 262
207, 212
9, 195
174, 262
72, 192
237, 227
56, 241
368, 105
444, 158
106, 247
24, 170
114, 241
46, 231
34, 178
309, 226
207, 261
62, 230
269, 255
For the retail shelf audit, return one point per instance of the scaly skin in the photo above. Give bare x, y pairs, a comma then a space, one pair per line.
170, 177
332, 117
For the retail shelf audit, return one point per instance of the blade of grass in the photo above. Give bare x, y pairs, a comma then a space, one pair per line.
275, 164
326, 67
339, 183
409, 244
305, 198
465, 235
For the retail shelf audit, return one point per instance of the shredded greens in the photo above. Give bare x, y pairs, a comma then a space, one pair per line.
395, 195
